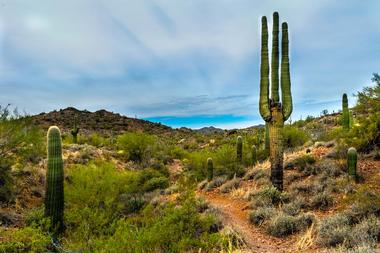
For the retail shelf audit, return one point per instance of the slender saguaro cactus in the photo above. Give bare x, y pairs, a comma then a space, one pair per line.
272, 110
210, 169
54, 199
75, 131
345, 112
239, 149
254, 155
352, 159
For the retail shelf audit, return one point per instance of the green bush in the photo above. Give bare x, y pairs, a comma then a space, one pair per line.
6, 184
24, 240
294, 137
138, 146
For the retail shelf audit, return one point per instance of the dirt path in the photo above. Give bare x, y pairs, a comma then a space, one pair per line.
235, 215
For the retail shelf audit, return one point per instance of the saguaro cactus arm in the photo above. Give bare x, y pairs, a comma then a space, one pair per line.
264, 105
287, 103
275, 56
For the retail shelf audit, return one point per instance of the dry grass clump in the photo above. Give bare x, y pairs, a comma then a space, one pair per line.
256, 174
230, 185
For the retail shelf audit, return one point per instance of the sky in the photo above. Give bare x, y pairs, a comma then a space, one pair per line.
179, 62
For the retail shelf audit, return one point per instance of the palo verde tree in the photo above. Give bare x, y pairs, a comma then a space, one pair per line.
272, 110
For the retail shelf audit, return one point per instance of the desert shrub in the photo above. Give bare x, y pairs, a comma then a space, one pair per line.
330, 168
216, 182
282, 225
7, 184
334, 230
178, 153
93, 139
339, 231
201, 185
322, 200
196, 163
294, 207
302, 187
24, 240
363, 202
138, 146
303, 162
292, 177
261, 215
225, 162
21, 140
156, 183
230, 185
294, 137
269, 193
171, 229
367, 109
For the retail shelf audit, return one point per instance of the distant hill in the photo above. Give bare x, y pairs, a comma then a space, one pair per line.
210, 130
101, 121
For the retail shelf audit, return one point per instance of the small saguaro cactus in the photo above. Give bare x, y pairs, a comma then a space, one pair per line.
54, 198
75, 131
345, 113
239, 149
210, 169
352, 159
272, 110
254, 155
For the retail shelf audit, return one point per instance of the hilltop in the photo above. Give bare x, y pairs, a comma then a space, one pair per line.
102, 122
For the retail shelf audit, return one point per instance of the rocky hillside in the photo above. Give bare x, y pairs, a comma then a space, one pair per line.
102, 121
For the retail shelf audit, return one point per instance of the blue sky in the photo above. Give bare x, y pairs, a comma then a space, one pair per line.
183, 63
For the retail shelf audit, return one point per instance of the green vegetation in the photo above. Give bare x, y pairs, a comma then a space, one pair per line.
271, 110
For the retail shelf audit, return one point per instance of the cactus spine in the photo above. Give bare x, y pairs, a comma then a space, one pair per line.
254, 155
345, 112
272, 110
75, 131
54, 199
352, 159
210, 169
239, 149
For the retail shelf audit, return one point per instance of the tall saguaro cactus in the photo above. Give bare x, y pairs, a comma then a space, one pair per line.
239, 149
345, 112
274, 112
54, 199
210, 170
